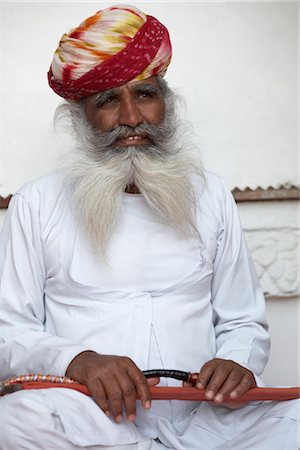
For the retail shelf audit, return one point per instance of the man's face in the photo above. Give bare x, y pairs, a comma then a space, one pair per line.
132, 104
132, 135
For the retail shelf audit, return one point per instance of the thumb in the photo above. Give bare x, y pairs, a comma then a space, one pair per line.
153, 381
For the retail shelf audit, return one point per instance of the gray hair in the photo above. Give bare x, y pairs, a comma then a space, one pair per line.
162, 171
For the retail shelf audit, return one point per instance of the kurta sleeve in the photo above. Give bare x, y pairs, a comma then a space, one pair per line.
237, 299
24, 345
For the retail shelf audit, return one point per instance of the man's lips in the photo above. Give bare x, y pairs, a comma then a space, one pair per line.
132, 140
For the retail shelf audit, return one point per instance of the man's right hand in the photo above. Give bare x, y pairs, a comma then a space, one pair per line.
113, 381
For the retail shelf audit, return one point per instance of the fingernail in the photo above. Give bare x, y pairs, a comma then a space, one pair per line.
233, 394
148, 404
209, 395
131, 417
107, 413
218, 398
199, 385
119, 418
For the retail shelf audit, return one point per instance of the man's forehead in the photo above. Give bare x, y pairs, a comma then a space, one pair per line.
131, 86
134, 84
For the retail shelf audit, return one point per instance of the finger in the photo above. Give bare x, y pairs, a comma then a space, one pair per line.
129, 396
247, 382
115, 398
216, 381
141, 385
153, 381
231, 381
99, 395
204, 375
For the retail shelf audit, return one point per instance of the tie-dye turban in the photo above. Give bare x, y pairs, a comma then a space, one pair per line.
116, 45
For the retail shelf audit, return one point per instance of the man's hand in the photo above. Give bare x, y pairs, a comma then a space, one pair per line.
113, 381
223, 378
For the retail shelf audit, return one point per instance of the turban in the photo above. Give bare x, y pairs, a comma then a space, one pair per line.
116, 45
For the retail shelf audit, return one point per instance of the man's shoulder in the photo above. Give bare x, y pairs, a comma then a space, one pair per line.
211, 185
213, 180
214, 196
45, 188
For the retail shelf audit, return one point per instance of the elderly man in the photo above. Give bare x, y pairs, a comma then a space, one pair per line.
129, 258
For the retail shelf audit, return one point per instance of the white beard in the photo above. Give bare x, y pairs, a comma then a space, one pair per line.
162, 173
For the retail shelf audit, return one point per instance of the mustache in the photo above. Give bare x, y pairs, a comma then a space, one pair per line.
154, 133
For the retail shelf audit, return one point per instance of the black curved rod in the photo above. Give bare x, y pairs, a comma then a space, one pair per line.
166, 373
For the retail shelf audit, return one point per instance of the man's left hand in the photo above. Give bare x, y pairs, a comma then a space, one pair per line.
223, 379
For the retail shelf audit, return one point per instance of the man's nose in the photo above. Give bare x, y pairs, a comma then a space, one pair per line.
129, 113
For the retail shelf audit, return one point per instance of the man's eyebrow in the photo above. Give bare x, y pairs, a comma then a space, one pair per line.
105, 95
101, 97
149, 87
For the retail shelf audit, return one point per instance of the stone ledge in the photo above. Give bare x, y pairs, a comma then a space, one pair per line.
282, 192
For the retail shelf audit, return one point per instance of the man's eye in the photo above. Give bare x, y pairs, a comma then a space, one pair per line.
105, 101
144, 94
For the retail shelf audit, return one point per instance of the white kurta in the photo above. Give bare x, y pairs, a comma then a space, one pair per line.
162, 300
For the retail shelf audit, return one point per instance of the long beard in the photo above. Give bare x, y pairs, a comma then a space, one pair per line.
162, 171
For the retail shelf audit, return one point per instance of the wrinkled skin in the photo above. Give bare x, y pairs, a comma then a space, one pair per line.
133, 103
224, 378
115, 381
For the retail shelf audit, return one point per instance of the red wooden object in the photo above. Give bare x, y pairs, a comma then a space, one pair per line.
182, 393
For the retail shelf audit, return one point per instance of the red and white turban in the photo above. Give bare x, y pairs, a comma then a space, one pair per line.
116, 45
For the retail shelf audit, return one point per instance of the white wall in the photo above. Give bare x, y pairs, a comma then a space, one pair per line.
283, 366
236, 63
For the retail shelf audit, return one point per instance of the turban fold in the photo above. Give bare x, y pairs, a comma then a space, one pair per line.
116, 45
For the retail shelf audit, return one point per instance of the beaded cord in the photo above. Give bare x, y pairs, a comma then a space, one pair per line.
37, 378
